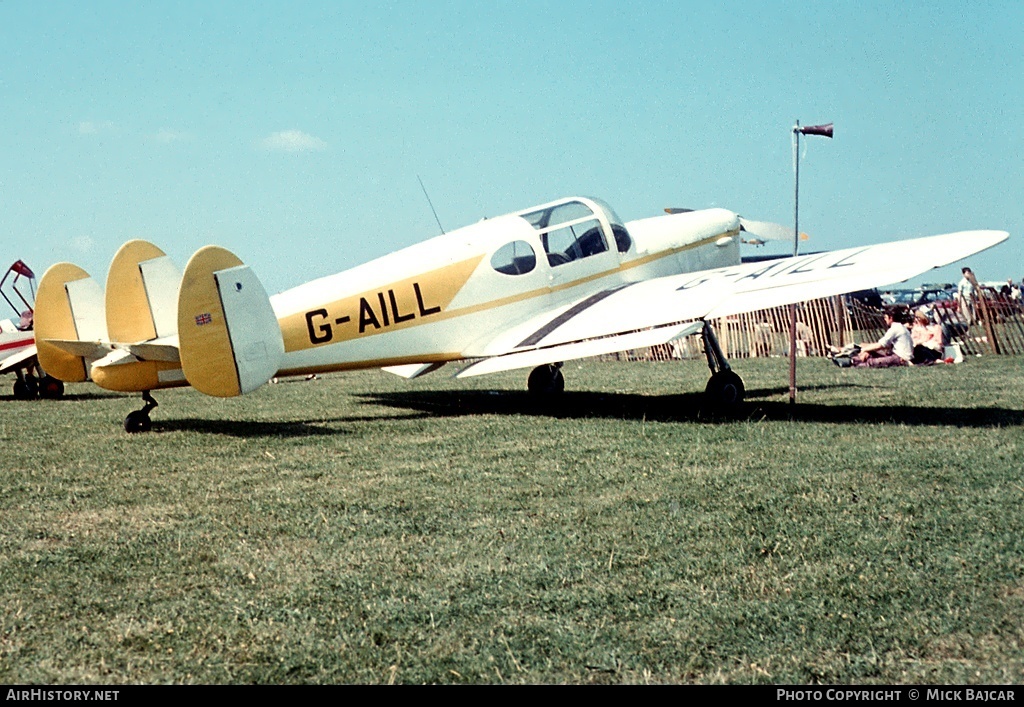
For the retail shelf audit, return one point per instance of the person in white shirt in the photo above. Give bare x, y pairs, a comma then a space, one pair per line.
895, 348
965, 292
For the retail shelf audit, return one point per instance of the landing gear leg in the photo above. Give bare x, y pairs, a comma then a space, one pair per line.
26, 387
138, 420
546, 380
725, 389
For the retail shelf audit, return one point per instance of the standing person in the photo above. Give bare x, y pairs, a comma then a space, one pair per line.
965, 292
1014, 291
895, 348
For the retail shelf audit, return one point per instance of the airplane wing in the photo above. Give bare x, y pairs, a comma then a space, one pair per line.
659, 307
21, 359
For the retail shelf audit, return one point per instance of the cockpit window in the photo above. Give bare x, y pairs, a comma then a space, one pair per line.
622, 239
569, 231
558, 214
573, 242
623, 242
515, 258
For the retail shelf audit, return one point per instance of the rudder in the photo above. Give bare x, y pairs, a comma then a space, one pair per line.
230, 342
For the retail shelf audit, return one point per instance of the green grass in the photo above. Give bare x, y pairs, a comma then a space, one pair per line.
361, 528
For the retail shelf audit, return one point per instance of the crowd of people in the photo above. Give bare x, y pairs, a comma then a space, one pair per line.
922, 343
920, 337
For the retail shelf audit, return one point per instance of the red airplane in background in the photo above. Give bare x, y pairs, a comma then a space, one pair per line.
18, 341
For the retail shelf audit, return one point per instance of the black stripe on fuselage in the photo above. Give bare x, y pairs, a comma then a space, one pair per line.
568, 314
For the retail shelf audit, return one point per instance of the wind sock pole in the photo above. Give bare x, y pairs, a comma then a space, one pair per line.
824, 131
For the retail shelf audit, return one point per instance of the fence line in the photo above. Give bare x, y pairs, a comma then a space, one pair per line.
998, 328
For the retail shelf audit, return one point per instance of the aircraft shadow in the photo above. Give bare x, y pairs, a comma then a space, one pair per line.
66, 398
686, 407
290, 428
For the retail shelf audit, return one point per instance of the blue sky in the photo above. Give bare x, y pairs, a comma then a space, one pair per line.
293, 133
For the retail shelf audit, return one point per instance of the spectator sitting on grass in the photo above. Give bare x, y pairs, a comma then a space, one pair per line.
927, 338
895, 348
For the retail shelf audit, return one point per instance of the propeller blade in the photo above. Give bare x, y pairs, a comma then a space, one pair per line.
766, 230
677, 211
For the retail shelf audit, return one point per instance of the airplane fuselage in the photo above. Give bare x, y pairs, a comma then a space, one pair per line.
445, 298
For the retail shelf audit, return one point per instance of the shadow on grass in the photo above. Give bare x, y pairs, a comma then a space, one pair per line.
67, 398
688, 407
292, 428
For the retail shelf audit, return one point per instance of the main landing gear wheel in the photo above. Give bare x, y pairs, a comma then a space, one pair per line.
51, 388
138, 420
725, 390
546, 380
26, 388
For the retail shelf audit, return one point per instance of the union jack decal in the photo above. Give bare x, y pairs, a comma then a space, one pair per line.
203, 319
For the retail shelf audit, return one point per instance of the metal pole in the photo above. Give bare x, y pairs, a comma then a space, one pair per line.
796, 248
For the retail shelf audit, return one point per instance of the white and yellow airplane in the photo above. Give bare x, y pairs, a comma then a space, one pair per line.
556, 282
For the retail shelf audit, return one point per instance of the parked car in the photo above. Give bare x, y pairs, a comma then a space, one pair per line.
868, 298
922, 296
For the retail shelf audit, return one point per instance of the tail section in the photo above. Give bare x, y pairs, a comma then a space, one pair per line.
142, 293
229, 339
69, 307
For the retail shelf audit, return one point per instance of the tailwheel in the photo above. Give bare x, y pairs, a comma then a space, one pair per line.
138, 420
546, 380
26, 387
724, 390
51, 388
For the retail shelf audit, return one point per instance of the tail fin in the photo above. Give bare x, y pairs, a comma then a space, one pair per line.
142, 294
69, 306
230, 342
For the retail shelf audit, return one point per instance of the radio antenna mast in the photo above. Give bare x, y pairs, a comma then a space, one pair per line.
431, 204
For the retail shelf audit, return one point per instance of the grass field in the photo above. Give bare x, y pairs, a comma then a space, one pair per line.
361, 528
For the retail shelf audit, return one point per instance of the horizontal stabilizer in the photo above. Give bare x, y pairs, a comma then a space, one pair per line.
229, 339
580, 349
83, 349
157, 350
69, 307
164, 349
117, 357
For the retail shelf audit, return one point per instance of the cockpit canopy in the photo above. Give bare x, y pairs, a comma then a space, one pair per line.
576, 228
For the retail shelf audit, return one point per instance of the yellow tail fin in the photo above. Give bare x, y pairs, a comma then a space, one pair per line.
229, 339
142, 293
69, 306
